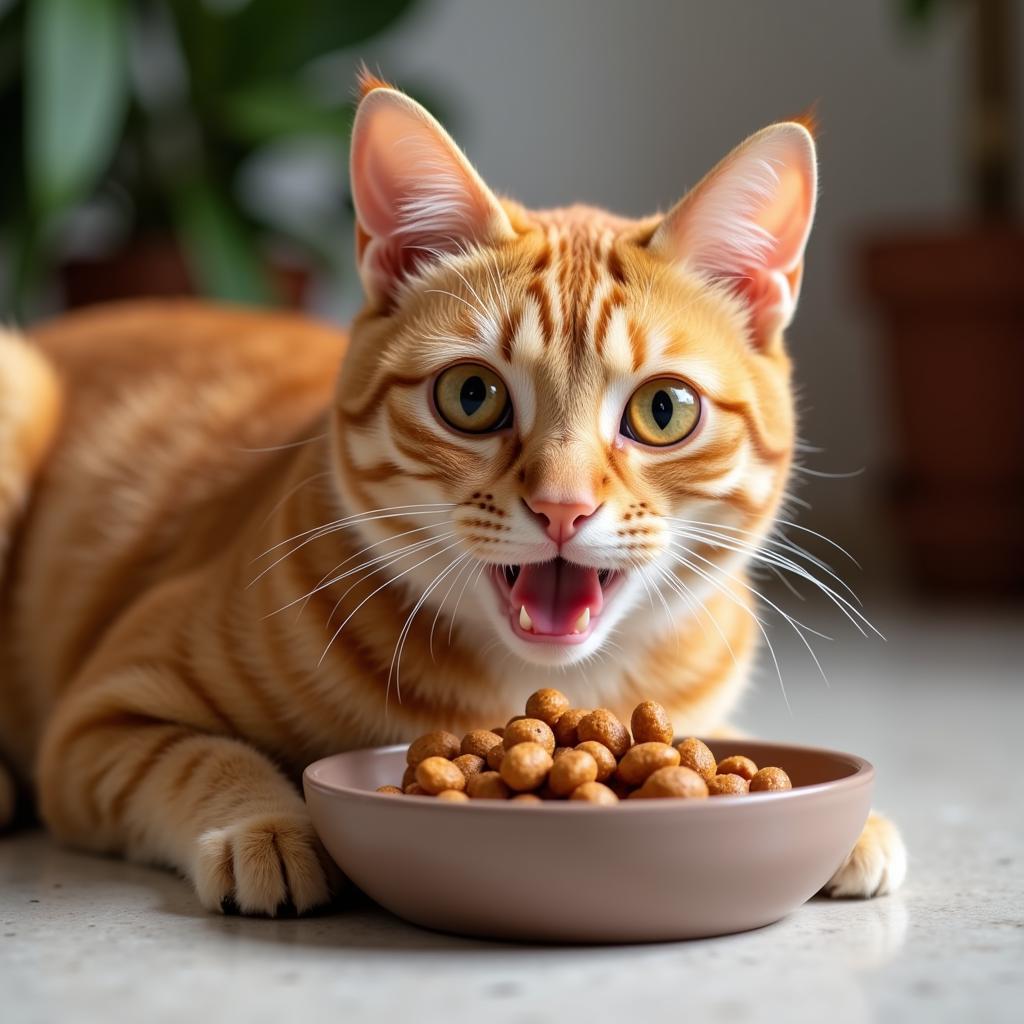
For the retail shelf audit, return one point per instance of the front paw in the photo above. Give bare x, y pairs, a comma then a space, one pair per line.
876, 865
264, 863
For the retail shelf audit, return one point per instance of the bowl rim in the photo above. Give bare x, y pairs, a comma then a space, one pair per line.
863, 774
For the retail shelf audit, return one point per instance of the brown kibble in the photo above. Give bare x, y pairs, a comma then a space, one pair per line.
432, 744
514, 718
498, 730
606, 763
478, 742
547, 705
650, 723
526, 798
695, 754
487, 786
602, 725
642, 760
737, 765
525, 766
529, 730
415, 789
390, 790
408, 776
727, 785
469, 764
570, 771
565, 727
455, 796
673, 782
594, 793
494, 757
770, 780
435, 774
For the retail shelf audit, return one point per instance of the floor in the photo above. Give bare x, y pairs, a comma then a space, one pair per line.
938, 708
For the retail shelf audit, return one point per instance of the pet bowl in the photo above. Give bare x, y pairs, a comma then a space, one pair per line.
643, 870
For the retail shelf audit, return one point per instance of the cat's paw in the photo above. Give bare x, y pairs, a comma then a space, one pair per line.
876, 865
264, 864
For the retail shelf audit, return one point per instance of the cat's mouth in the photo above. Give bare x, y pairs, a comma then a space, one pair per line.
554, 602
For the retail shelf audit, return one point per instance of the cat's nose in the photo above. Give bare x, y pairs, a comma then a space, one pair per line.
563, 519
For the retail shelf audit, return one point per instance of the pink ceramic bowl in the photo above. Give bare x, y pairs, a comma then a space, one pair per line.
572, 872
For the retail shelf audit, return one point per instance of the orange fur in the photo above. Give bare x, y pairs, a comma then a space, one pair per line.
170, 608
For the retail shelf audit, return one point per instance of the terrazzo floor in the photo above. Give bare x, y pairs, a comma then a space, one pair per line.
87, 939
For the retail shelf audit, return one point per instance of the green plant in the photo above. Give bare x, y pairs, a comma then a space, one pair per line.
86, 111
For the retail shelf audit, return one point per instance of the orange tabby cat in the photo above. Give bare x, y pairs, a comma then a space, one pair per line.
554, 442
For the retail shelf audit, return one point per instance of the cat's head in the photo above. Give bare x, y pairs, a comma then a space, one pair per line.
564, 420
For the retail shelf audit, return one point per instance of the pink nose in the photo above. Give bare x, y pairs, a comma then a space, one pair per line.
563, 519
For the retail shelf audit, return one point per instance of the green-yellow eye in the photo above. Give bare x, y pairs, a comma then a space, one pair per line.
473, 399
661, 412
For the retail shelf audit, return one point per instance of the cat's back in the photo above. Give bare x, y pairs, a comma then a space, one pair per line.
173, 418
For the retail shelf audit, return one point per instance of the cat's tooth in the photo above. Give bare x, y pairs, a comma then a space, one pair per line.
583, 621
525, 622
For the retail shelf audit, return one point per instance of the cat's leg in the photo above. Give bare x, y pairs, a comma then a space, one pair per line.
876, 865
131, 763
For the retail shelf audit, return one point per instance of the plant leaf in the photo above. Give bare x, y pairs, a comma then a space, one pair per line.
220, 251
263, 111
76, 95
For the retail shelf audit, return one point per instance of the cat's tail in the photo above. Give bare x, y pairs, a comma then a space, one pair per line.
30, 402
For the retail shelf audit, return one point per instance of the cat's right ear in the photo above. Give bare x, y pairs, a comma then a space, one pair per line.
416, 196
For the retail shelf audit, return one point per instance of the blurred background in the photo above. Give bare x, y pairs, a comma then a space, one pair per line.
175, 146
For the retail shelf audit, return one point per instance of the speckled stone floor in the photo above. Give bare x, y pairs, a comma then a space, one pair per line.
86, 939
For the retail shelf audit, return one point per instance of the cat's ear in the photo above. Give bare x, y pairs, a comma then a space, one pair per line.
415, 194
747, 222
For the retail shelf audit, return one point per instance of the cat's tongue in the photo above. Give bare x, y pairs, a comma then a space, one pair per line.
555, 594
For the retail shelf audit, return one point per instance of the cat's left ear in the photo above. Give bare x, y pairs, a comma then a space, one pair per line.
416, 196
747, 222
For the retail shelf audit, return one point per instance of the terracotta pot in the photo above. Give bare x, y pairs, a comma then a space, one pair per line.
155, 265
953, 308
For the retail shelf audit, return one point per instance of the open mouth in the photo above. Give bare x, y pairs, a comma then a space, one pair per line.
554, 602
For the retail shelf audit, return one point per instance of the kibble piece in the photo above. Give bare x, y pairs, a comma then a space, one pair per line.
415, 789
435, 774
514, 718
606, 763
727, 785
526, 798
455, 796
432, 744
642, 760
529, 730
525, 766
498, 730
469, 764
478, 742
697, 755
408, 776
487, 786
770, 780
603, 726
547, 705
570, 771
565, 727
494, 757
737, 765
391, 790
650, 723
594, 793
673, 782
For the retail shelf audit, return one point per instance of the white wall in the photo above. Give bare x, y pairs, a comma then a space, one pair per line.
626, 104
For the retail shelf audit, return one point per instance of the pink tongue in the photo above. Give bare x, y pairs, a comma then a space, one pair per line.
555, 594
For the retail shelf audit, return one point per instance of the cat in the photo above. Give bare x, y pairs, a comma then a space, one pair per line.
236, 541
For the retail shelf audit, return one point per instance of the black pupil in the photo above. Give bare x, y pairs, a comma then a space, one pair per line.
472, 395
661, 409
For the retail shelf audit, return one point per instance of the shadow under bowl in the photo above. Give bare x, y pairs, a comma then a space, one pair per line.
640, 871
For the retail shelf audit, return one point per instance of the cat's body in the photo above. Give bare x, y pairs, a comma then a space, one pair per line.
178, 634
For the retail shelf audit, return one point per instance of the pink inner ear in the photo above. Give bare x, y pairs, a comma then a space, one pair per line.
415, 193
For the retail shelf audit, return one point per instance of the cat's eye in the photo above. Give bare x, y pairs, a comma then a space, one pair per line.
661, 412
473, 399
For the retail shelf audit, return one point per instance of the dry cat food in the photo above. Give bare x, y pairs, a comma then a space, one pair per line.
558, 752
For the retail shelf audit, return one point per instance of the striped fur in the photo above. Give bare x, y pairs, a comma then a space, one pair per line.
179, 633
